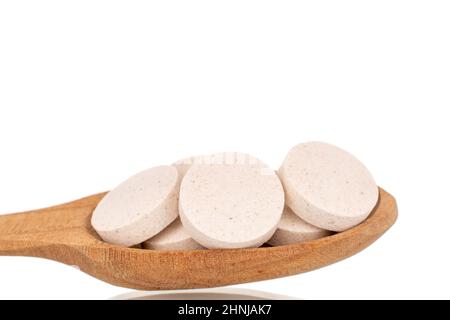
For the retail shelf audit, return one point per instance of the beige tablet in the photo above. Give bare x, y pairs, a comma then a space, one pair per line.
292, 229
327, 187
235, 202
139, 208
174, 237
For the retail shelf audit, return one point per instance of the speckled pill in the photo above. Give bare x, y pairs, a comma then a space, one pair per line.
139, 208
174, 237
292, 229
235, 202
327, 187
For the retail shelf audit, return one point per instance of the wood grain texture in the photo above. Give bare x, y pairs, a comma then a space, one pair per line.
63, 233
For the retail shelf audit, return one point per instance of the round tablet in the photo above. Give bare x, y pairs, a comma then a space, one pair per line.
174, 237
293, 229
235, 204
139, 208
327, 187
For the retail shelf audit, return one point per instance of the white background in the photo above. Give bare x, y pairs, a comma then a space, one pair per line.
92, 92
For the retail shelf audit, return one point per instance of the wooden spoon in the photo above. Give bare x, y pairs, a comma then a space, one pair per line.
63, 233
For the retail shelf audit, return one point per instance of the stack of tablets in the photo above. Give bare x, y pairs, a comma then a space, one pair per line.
233, 200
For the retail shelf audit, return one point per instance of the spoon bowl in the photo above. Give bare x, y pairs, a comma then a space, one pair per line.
64, 233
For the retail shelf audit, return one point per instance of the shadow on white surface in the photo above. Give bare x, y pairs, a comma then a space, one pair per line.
203, 294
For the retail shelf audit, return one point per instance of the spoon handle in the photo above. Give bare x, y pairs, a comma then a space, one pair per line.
29, 233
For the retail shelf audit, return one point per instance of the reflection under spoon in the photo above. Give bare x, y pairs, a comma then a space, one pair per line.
203, 294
